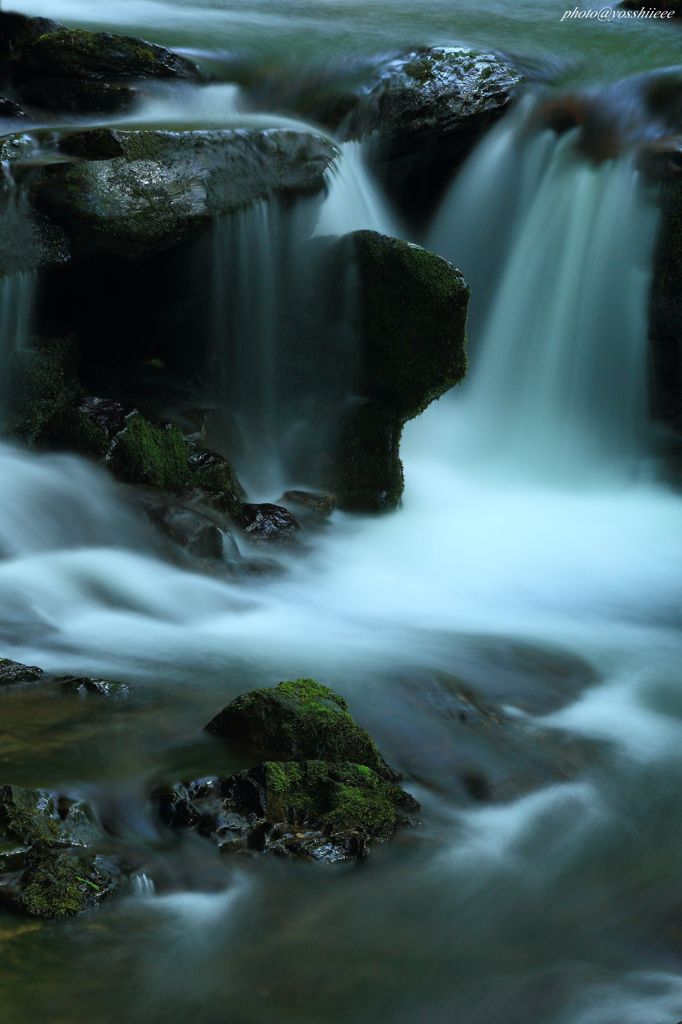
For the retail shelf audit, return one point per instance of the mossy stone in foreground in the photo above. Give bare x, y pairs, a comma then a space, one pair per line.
299, 718
62, 884
146, 454
311, 810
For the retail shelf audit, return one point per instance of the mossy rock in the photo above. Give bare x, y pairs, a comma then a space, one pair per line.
302, 719
67, 53
147, 454
311, 809
60, 884
28, 816
411, 337
47, 866
43, 382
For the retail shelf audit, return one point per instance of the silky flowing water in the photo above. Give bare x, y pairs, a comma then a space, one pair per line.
536, 561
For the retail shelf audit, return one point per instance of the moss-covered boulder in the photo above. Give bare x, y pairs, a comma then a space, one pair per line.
411, 310
72, 70
302, 719
134, 193
308, 809
49, 867
144, 453
18, 31
43, 385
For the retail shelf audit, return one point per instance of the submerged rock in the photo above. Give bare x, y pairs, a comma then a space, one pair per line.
308, 809
13, 672
302, 719
134, 193
318, 505
46, 867
76, 71
411, 325
268, 524
83, 686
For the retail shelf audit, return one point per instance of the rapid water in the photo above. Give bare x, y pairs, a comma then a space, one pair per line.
532, 563
560, 320
265, 285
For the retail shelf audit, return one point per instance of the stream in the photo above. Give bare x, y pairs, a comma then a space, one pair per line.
536, 562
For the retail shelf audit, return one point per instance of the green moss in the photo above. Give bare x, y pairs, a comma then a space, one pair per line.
336, 798
299, 718
61, 885
147, 454
43, 381
27, 815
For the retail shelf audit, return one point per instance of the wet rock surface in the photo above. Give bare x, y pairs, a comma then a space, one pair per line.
77, 686
49, 864
411, 323
135, 193
299, 718
70, 70
268, 524
12, 672
308, 809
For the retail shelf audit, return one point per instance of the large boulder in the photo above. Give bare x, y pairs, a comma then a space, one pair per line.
75, 71
302, 719
423, 110
312, 810
50, 862
134, 193
411, 328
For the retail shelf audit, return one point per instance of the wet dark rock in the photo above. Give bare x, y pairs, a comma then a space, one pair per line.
424, 109
74, 71
13, 672
84, 686
149, 189
18, 31
43, 384
191, 525
412, 309
320, 505
11, 111
306, 809
47, 866
268, 524
665, 323
299, 718
214, 475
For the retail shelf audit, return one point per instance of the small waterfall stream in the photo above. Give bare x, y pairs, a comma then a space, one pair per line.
558, 382
17, 293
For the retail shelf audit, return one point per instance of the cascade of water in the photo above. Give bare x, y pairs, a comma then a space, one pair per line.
353, 201
559, 375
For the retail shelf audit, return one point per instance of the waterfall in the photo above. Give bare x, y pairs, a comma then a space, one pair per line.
353, 201
16, 312
282, 386
559, 338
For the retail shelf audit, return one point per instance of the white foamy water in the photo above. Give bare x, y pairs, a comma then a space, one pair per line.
354, 202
